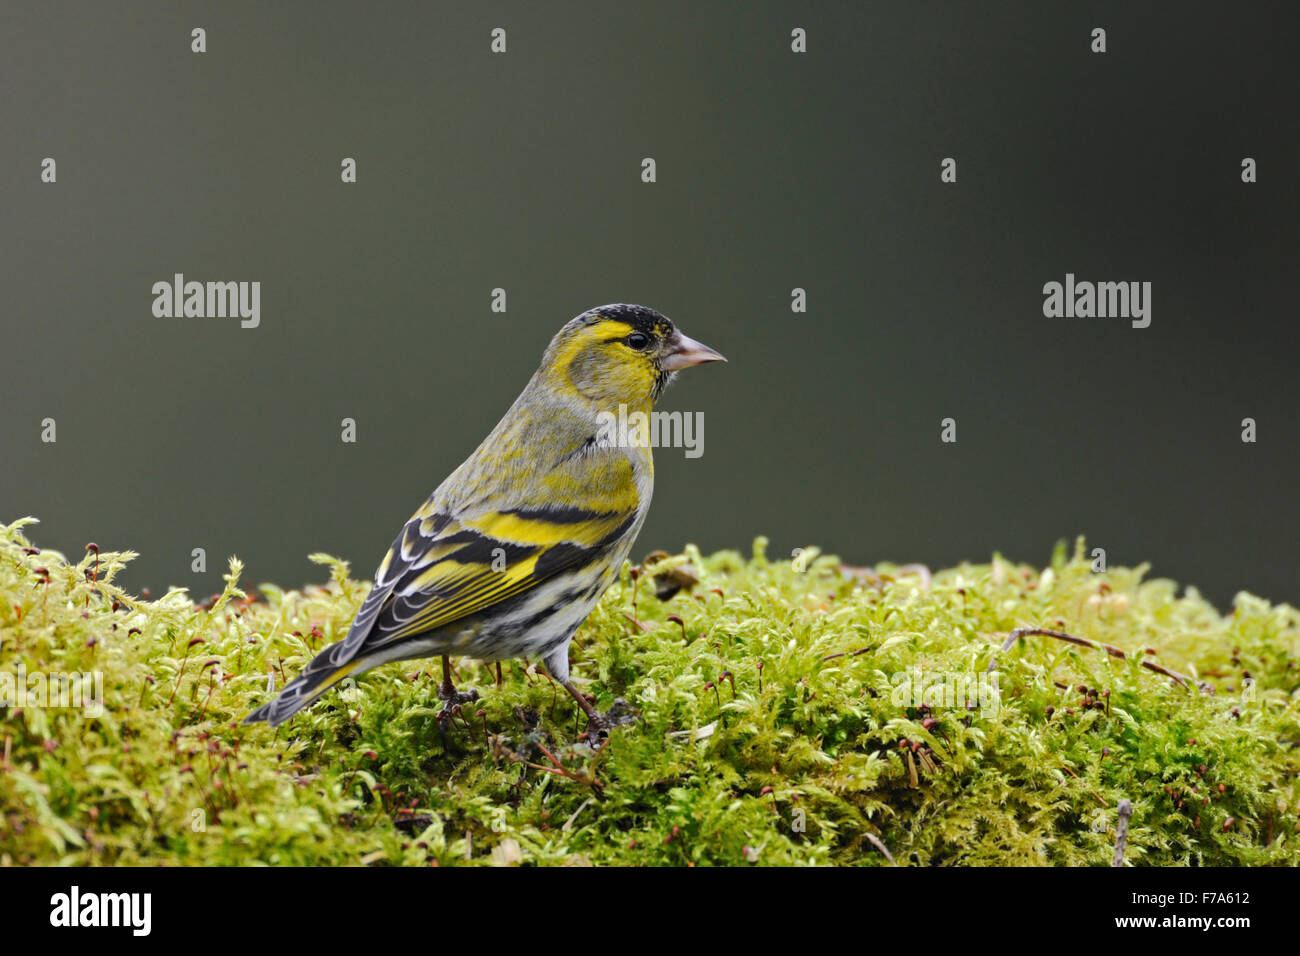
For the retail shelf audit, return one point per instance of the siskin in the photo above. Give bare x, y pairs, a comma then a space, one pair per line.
510, 554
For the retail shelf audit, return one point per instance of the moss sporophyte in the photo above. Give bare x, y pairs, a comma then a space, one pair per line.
781, 713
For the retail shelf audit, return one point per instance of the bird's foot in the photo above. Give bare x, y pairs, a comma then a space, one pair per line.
599, 725
452, 700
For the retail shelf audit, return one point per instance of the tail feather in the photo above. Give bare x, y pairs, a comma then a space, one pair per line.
318, 677
329, 666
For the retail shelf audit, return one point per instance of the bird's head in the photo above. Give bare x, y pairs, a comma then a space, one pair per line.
621, 354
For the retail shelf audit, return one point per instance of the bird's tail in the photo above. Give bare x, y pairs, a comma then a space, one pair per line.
320, 675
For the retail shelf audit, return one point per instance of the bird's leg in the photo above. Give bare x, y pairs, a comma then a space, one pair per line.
581, 698
447, 689
451, 698
593, 715
599, 725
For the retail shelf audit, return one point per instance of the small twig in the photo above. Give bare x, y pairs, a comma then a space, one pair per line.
857, 653
568, 824
1099, 797
1110, 649
1121, 835
560, 770
880, 845
550, 756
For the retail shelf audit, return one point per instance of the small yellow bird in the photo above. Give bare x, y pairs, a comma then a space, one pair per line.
510, 554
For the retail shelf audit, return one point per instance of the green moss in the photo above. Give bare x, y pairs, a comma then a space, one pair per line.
772, 728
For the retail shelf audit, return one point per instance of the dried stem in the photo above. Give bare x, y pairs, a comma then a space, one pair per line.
1121, 836
1110, 649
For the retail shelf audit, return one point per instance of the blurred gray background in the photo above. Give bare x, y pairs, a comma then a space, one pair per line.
775, 170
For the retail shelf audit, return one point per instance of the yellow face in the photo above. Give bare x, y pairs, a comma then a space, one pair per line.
612, 362
622, 354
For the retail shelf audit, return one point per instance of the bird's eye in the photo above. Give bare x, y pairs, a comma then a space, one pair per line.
637, 340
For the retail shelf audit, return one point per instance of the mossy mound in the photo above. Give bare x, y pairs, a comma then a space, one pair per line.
775, 728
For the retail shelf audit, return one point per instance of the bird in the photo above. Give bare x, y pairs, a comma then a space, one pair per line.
508, 556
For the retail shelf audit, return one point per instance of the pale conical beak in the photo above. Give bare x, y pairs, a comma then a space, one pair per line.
683, 352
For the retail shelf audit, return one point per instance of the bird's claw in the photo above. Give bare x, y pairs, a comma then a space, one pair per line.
451, 702
599, 725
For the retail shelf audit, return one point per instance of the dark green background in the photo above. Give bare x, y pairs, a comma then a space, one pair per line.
775, 170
